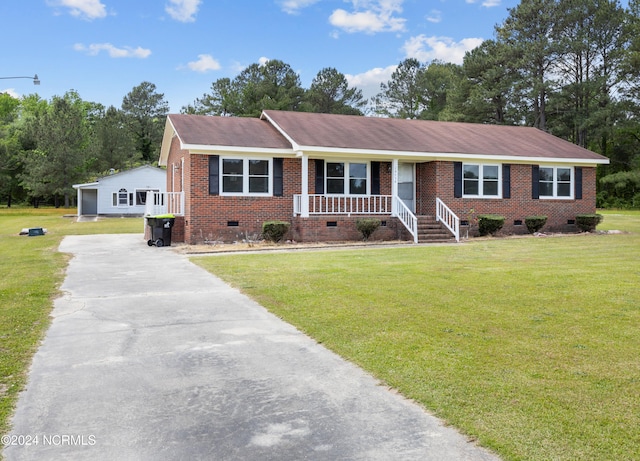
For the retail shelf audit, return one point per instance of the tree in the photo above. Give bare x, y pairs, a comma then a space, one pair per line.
61, 141
146, 112
10, 165
527, 31
329, 93
442, 82
404, 95
418, 91
492, 79
115, 146
223, 100
272, 85
592, 39
630, 65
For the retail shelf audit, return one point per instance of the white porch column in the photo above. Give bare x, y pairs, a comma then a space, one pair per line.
394, 187
79, 199
181, 175
304, 205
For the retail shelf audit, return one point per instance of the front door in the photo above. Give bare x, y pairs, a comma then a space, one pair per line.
406, 184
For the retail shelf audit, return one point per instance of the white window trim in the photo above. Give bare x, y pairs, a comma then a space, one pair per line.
347, 178
555, 196
481, 181
145, 190
117, 198
245, 177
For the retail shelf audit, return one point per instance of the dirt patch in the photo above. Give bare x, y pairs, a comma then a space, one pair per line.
279, 247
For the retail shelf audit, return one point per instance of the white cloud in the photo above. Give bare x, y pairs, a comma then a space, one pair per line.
126, 52
183, 10
11, 92
426, 49
294, 6
262, 61
486, 3
435, 16
205, 63
84, 9
370, 16
369, 81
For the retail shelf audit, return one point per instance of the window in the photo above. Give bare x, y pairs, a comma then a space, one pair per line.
335, 178
245, 176
337, 172
141, 196
358, 178
555, 182
232, 177
258, 177
122, 198
480, 180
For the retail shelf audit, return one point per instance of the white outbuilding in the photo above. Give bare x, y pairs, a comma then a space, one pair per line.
121, 194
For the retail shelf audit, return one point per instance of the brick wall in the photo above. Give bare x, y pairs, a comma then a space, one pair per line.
520, 205
342, 229
223, 218
213, 217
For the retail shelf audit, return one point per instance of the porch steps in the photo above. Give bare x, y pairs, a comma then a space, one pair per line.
432, 231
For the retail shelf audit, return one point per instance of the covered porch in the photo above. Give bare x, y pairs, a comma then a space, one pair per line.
400, 204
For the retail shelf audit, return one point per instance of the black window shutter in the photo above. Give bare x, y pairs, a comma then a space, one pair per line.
278, 181
535, 182
214, 175
375, 178
578, 185
319, 176
457, 179
506, 181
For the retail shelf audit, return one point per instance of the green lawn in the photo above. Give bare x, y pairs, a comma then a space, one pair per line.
31, 270
529, 345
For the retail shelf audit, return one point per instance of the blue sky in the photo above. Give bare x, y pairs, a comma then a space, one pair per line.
104, 48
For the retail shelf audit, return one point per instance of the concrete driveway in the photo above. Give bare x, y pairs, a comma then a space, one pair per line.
149, 357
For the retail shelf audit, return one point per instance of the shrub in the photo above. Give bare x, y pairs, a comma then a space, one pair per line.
588, 222
275, 230
535, 223
367, 227
490, 224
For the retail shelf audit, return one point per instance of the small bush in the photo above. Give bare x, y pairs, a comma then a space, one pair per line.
535, 223
490, 224
274, 231
588, 222
367, 227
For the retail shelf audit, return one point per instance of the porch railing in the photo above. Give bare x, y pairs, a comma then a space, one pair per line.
448, 218
407, 217
164, 202
344, 204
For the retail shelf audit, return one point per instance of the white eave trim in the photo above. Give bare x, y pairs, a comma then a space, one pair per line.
445, 156
86, 185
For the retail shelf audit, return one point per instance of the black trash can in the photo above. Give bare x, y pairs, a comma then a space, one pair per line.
160, 230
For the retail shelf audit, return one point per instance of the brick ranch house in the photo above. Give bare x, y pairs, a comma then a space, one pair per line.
226, 176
